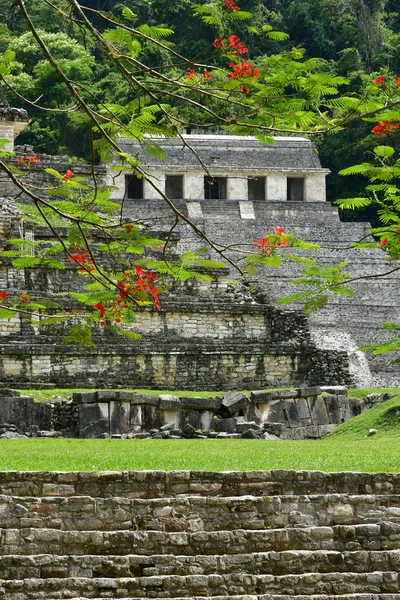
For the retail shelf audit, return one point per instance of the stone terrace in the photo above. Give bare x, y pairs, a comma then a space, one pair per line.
260, 535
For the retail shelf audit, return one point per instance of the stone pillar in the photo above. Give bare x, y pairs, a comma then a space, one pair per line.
7, 132
276, 187
158, 177
194, 185
314, 187
236, 188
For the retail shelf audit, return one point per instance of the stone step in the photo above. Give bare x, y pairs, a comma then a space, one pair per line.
360, 596
196, 513
171, 586
159, 484
379, 536
131, 565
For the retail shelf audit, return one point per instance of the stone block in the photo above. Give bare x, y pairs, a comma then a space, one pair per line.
191, 417
188, 431
274, 429
242, 425
310, 391
356, 406
84, 397
292, 413
250, 434
93, 419
201, 404
332, 406
344, 408
17, 410
325, 429
303, 410
258, 396
106, 395
334, 389
43, 415
144, 399
206, 419
274, 412
227, 425
168, 402
311, 432
319, 414
120, 417
136, 416
234, 402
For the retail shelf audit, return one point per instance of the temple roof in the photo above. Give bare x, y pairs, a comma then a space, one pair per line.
8, 207
229, 152
11, 114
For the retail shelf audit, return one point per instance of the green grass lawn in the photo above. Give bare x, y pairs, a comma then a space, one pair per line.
331, 454
346, 449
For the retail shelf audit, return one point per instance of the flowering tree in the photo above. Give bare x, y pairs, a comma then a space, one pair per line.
220, 87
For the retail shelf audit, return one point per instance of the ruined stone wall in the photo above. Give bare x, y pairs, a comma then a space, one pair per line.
290, 414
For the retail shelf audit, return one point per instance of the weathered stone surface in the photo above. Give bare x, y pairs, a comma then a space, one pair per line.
319, 414
120, 417
93, 419
188, 431
169, 402
235, 402
18, 410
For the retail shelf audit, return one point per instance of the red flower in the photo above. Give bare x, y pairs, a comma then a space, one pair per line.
279, 230
231, 4
207, 76
191, 74
236, 45
21, 160
68, 175
379, 80
244, 90
24, 298
243, 69
3, 295
385, 128
383, 242
129, 227
397, 84
33, 160
219, 42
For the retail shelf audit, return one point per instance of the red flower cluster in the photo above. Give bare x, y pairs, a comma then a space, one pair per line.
243, 69
82, 259
139, 284
31, 160
271, 242
219, 42
231, 4
136, 286
207, 76
25, 298
379, 80
385, 128
68, 175
235, 46
191, 74
397, 84
383, 242
114, 311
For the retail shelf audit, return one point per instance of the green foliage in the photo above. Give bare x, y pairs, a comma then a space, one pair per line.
320, 283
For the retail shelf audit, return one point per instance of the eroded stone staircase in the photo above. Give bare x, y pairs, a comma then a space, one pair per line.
188, 535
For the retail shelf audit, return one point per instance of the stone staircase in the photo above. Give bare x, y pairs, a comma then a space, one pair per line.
186, 535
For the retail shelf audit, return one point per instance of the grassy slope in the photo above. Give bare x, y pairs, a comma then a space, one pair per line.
346, 449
